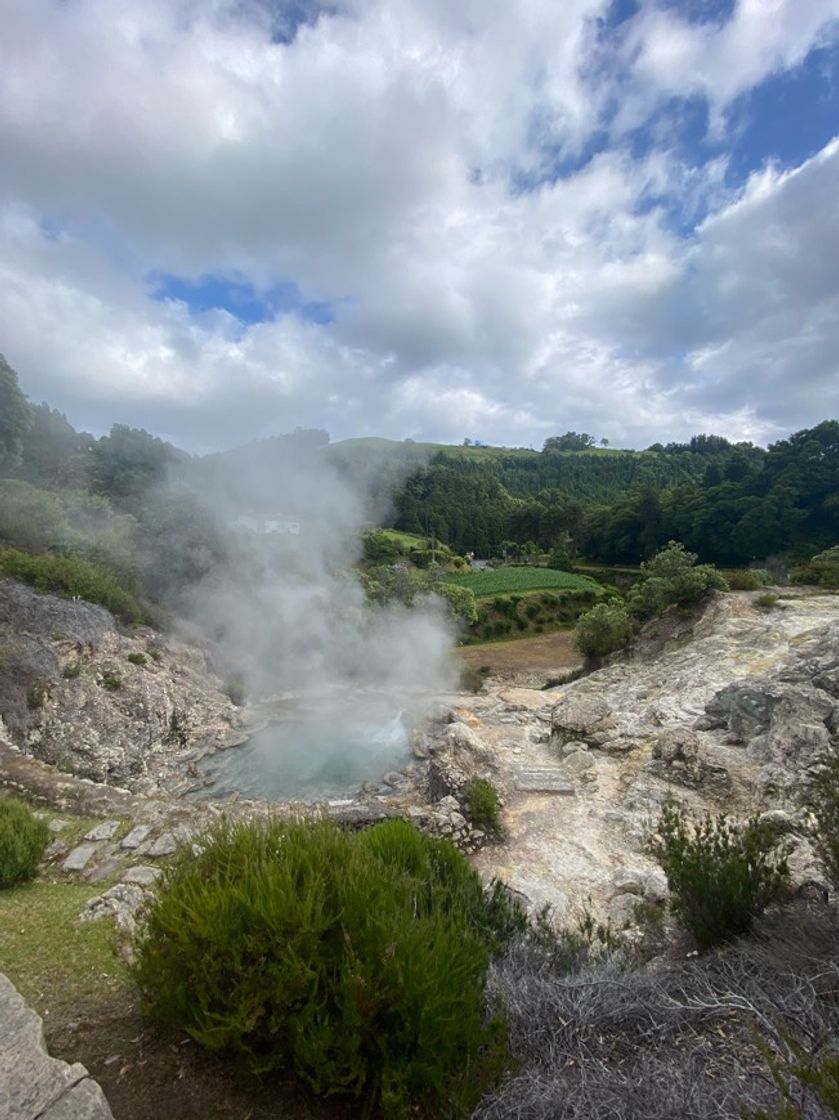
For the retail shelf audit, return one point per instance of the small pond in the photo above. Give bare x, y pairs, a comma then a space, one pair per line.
310, 757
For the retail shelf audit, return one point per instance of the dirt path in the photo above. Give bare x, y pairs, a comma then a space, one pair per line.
526, 660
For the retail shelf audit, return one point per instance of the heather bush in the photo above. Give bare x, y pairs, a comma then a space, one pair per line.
357, 960
721, 875
23, 839
484, 807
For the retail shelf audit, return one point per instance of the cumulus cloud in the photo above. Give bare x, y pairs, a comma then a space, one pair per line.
453, 181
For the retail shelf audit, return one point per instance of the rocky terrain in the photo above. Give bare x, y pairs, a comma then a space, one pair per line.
726, 709
726, 712
127, 707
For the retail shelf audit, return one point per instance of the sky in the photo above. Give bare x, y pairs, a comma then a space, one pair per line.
221, 220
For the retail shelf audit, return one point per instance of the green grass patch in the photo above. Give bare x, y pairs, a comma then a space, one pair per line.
504, 581
55, 961
70, 577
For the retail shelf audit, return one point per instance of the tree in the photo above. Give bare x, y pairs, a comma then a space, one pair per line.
604, 442
129, 463
15, 417
571, 441
672, 576
603, 629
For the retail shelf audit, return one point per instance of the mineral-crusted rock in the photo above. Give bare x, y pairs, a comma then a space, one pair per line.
103, 831
580, 715
142, 875
121, 902
629, 880
622, 910
677, 744
578, 763
118, 733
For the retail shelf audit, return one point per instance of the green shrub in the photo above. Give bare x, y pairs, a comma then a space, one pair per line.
560, 560
747, 579
137, 658
822, 569
807, 1079
484, 807
72, 670
824, 803
112, 682
721, 875
37, 695
603, 629
69, 576
767, 600
23, 839
672, 576
358, 960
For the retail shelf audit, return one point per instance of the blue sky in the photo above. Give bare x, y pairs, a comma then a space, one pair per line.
418, 219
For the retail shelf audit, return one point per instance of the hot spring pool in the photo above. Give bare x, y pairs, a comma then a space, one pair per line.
309, 757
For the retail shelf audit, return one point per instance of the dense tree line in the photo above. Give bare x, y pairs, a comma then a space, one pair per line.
731, 504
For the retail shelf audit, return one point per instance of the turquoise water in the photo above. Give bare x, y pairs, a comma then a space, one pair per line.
309, 758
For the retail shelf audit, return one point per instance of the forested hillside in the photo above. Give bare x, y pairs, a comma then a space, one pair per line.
126, 502
732, 504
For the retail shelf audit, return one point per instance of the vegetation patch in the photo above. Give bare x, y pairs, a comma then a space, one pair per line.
57, 962
722, 875
603, 629
358, 960
484, 807
70, 577
504, 581
23, 840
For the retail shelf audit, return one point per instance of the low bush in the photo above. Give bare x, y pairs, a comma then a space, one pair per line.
137, 658
603, 629
69, 576
822, 569
72, 670
484, 807
357, 960
721, 875
747, 579
112, 682
767, 600
37, 695
23, 839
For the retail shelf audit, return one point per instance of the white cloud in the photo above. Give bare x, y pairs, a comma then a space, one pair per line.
369, 161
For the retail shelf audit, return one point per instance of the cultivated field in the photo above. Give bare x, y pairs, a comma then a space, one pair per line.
506, 581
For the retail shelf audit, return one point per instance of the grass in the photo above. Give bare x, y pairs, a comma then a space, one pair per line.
55, 961
410, 542
503, 581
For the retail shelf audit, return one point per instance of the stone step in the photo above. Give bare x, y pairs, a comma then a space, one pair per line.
542, 780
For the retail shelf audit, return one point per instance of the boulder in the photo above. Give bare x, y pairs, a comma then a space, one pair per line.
578, 763
677, 744
580, 715
34, 1086
121, 903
